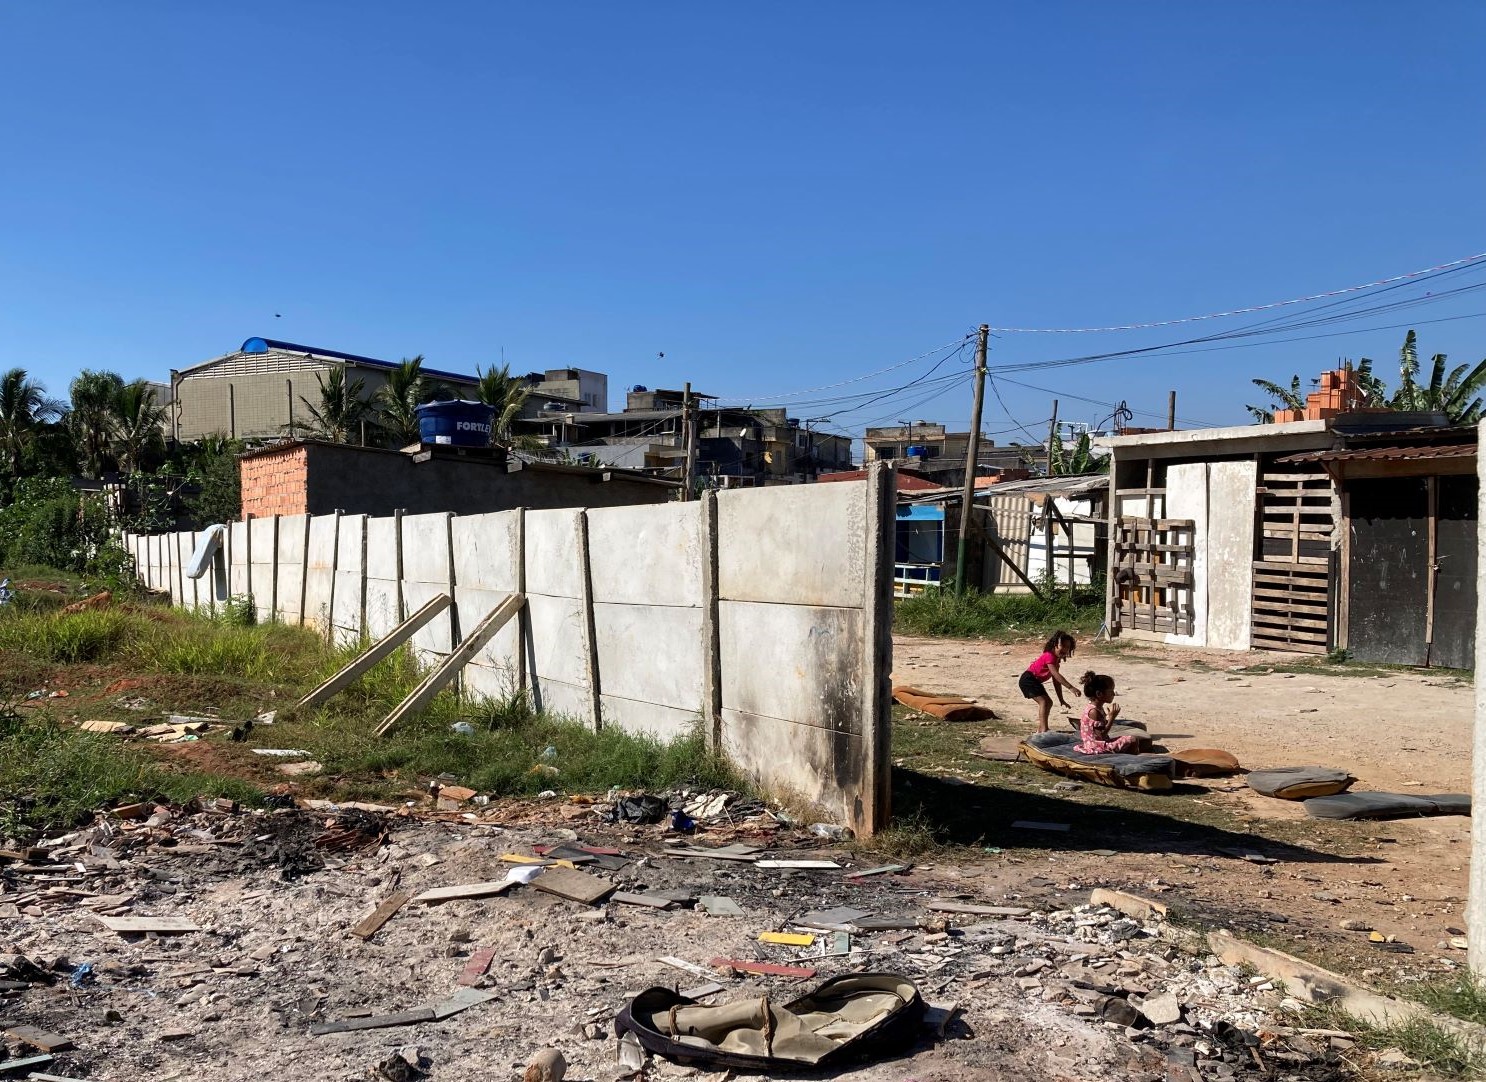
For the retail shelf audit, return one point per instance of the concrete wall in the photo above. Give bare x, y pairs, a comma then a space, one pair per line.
761, 615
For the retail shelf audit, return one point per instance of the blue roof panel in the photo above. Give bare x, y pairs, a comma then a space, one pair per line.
263, 345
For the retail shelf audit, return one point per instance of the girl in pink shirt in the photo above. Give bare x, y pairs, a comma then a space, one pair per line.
1058, 649
1099, 716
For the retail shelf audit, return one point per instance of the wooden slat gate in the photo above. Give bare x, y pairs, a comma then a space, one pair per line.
1012, 516
1153, 574
1292, 565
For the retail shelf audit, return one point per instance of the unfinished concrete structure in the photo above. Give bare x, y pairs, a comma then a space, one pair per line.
763, 615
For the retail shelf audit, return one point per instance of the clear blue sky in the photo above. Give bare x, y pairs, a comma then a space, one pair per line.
775, 195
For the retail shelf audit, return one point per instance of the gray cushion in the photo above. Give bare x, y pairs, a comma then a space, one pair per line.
1298, 782
1386, 805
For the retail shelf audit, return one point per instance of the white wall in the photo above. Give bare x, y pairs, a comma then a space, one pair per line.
761, 615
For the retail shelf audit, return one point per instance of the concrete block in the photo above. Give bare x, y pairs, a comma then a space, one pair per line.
648, 555
381, 548
797, 544
647, 719
425, 550
553, 564
651, 654
798, 762
557, 639
485, 552
1230, 552
793, 662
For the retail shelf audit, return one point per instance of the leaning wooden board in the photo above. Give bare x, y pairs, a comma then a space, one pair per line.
573, 885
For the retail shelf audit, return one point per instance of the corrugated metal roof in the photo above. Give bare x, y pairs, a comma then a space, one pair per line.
1388, 454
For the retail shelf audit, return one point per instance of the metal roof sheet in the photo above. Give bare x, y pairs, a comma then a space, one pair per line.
1387, 454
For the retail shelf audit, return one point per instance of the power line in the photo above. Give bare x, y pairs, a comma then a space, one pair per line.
1468, 260
768, 398
1098, 402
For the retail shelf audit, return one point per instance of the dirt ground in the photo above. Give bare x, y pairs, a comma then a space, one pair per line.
1403, 731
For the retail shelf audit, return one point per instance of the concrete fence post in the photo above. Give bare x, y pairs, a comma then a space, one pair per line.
180, 570
304, 569
397, 541
454, 636
248, 553
1476, 890
590, 634
335, 566
875, 811
273, 571
523, 619
361, 631
711, 646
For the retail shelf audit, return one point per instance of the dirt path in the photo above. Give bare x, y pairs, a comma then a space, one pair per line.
1402, 731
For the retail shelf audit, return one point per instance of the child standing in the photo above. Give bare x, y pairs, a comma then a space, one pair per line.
1099, 716
1058, 649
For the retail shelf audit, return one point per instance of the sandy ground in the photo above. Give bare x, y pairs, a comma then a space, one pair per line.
1405, 731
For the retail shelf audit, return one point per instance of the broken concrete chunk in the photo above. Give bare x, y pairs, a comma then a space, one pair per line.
1162, 1009
546, 1066
1132, 905
717, 906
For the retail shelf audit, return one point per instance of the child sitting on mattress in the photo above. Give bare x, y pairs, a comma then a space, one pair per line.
1099, 716
1058, 649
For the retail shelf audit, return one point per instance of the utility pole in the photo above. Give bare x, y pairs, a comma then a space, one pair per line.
689, 430
972, 456
1052, 434
1171, 412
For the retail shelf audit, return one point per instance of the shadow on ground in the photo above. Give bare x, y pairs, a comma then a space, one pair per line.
963, 813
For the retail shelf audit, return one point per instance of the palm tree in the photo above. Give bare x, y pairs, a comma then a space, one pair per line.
24, 407
342, 409
1291, 397
1455, 395
506, 394
138, 425
94, 396
398, 400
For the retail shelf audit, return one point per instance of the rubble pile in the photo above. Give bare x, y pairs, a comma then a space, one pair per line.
366, 941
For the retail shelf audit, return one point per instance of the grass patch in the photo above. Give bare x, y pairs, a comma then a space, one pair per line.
1462, 997
973, 615
67, 638
1424, 1040
58, 776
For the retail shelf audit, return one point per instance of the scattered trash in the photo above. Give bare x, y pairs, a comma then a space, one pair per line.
82, 976
639, 809
463, 728
831, 831
7, 595
681, 822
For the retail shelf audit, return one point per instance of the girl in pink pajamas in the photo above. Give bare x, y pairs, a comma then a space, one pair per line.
1098, 716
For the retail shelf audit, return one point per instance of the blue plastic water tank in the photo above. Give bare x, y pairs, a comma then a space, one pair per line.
460, 423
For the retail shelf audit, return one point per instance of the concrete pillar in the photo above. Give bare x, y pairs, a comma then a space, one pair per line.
1476, 891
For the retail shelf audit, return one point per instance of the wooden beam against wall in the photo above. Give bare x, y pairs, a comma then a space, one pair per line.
378, 650
434, 682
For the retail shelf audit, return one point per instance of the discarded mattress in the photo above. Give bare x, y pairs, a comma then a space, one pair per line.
948, 707
859, 1016
1386, 805
1299, 782
1054, 751
1204, 763
206, 550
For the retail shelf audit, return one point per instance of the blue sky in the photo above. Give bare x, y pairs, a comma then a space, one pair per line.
775, 196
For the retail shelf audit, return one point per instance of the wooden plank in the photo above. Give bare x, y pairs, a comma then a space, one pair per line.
1307, 564
147, 924
967, 909
434, 682
477, 966
815, 865
374, 920
1285, 620
379, 650
376, 1021
466, 890
651, 901
462, 1000
762, 969
573, 885
29, 1061
39, 1038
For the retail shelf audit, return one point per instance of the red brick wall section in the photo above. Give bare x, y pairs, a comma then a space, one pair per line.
276, 483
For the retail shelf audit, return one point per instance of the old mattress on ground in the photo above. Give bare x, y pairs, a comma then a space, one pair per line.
1298, 782
1054, 751
1386, 805
942, 705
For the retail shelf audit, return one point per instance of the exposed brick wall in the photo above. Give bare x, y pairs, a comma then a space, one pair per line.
1339, 393
275, 483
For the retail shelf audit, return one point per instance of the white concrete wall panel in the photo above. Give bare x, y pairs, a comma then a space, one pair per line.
800, 544
650, 555
651, 654
425, 572
793, 662
318, 577
558, 651
1186, 497
261, 544
647, 719
237, 548
1231, 488
349, 576
562, 699
382, 612
799, 761
553, 564
291, 567
485, 551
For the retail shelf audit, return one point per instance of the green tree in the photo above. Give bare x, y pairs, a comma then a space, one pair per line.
506, 394
24, 409
342, 409
94, 397
1291, 398
398, 400
211, 467
138, 426
1456, 394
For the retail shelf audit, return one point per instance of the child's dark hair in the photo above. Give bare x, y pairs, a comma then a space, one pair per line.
1057, 639
1095, 684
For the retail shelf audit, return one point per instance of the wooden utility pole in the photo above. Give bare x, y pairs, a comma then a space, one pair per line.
689, 437
1052, 434
1171, 412
972, 456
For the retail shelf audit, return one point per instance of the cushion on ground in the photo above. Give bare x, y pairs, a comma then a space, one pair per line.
1386, 805
1204, 763
1298, 782
1053, 751
940, 705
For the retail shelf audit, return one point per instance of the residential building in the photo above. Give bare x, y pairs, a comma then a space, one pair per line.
928, 448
